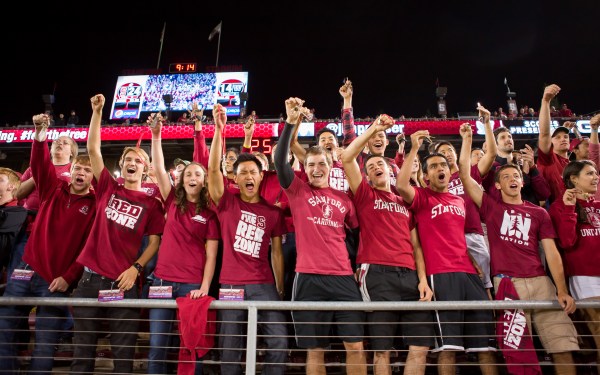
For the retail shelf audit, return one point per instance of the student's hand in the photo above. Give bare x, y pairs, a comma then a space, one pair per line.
127, 278
416, 138
425, 293
294, 110
196, 116
97, 102
567, 302
220, 116
466, 131
569, 125
346, 90
58, 285
595, 121
570, 197
401, 140
550, 92
249, 126
155, 122
483, 113
198, 293
40, 122
383, 123
528, 158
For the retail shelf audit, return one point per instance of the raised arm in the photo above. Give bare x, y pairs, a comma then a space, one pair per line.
486, 162
93, 142
285, 173
42, 169
346, 91
158, 159
248, 134
200, 150
545, 140
297, 149
464, 166
407, 192
555, 266
351, 167
216, 186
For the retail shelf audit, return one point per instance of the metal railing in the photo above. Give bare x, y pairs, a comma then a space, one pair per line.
253, 308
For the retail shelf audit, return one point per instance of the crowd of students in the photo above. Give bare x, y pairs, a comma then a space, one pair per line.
346, 223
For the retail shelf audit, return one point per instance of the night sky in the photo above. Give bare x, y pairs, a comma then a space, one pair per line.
392, 51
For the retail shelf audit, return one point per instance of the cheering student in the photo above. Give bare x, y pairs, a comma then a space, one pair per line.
111, 264
390, 257
323, 268
453, 274
515, 227
248, 225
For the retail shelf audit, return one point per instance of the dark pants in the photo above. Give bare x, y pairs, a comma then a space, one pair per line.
123, 327
49, 321
232, 338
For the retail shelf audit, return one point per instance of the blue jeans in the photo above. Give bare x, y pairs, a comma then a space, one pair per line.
161, 328
49, 321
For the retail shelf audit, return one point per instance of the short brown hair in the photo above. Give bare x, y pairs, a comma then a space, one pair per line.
318, 150
82, 159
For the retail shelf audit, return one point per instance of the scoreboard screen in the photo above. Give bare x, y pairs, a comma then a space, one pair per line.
144, 93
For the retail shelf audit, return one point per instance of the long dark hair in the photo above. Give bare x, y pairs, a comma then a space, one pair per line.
574, 168
181, 198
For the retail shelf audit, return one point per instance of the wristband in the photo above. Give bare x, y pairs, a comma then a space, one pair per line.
138, 267
246, 146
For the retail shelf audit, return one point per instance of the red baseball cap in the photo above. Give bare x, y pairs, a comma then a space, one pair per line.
576, 142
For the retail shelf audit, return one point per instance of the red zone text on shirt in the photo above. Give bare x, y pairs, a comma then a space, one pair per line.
124, 217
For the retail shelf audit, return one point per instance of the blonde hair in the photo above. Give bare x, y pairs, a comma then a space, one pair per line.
141, 153
13, 177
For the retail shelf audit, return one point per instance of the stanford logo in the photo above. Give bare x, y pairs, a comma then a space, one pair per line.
84, 210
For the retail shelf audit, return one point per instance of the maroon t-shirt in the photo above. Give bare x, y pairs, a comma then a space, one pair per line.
62, 224
320, 216
32, 201
455, 186
124, 217
579, 241
246, 229
385, 225
514, 231
551, 166
182, 252
440, 221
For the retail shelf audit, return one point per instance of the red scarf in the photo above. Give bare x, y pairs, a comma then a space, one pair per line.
197, 327
514, 339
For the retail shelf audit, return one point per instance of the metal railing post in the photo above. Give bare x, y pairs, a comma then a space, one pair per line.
251, 340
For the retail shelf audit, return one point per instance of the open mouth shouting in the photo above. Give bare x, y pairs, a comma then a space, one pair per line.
250, 186
441, 177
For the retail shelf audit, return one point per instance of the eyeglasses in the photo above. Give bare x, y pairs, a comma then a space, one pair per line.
61, 143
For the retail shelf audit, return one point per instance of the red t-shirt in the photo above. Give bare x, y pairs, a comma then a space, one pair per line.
182, 252
385, 225
320, 216
440, 221
32, 201
62, 224
514, 232
124, 217
551, 166
246, 229
455, 186
580, 242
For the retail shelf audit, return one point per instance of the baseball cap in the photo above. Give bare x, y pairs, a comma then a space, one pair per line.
576, 142
560, 129
180, 161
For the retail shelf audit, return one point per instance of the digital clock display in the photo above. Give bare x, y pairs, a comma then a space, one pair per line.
182, 67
